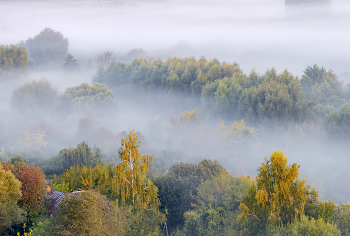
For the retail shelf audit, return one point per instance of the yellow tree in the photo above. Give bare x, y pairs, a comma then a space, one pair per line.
278, 196
132, 188
131, 174
10, 194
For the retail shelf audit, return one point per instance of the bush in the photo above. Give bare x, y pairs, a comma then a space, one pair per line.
89, 213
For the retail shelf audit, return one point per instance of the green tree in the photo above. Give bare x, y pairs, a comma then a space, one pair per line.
306, 226
342, 218
279, 196
70, 63
47, 47
10, 194
86, 97
316, 75
82, 155
217, 206
178, 188
174, 83
34, 96
125, 183
337, 124
89, 213
12, 58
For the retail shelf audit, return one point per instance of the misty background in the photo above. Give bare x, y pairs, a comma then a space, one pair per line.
255, 34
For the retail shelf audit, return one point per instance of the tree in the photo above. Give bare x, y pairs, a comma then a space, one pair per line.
12, 58
337, 124
124, 183
34, 96
306, 226
320, 84
105, 59
48, 46
342, 218
86, 97
89, 213
10, 194
178, 188
217, 205
278, 197
70, 63
82, 155
132, 188
133, 54
33, 184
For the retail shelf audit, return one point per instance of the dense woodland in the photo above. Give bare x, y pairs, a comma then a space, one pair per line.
198, 173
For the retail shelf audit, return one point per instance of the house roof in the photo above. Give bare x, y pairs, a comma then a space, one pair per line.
55, 198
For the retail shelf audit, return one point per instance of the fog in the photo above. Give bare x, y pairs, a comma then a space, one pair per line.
257, 34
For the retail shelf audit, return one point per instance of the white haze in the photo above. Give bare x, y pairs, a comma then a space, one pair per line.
256, 34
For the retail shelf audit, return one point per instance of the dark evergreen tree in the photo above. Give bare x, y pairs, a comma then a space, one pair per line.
70, 63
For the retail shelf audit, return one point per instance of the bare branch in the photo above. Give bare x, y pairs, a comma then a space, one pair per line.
105, 59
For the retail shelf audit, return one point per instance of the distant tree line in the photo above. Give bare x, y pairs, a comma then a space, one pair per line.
226, 91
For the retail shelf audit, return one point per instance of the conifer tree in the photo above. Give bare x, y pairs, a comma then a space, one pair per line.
70, 63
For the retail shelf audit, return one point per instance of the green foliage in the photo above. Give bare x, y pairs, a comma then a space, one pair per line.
278, 196
48, 46
321, 85
270, 99
89, 213
86, 97
61, 187
34, 96
82, 155
33, 184
342, 218
124, 183
306, 226
217, 206
10, 194
186, 75
12, 58
178, 188
326, 211
83, 178
70, 63
42, 226
337, 124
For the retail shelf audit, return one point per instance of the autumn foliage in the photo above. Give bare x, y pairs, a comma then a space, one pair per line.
33, 184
